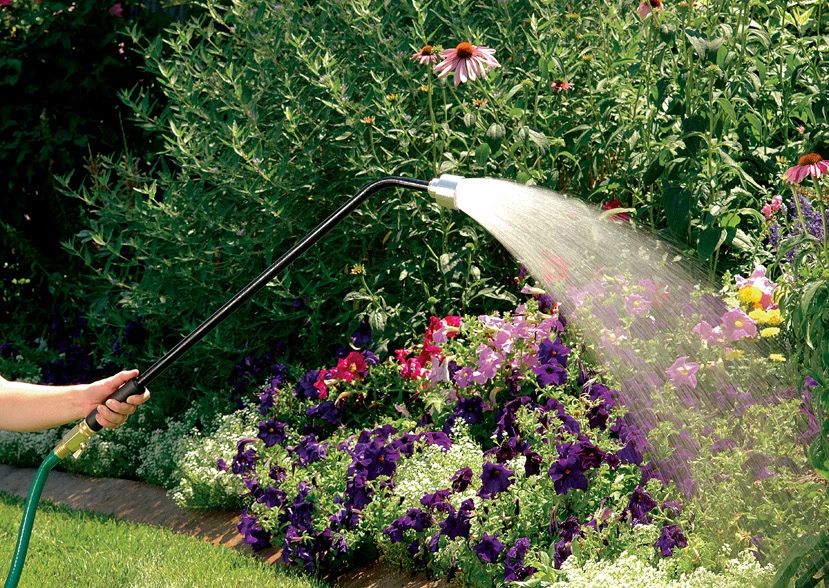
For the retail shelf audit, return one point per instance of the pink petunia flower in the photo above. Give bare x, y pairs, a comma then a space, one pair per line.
683, 372
5, 2
637, 305
117, 10
468, 62
425, 56
709, 334
648, 6
737, 324
810, 164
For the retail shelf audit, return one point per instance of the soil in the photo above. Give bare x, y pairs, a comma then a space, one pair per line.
149, 505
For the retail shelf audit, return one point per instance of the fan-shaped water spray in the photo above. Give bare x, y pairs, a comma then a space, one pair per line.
716, 415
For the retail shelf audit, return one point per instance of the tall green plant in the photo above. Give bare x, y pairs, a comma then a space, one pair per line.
276, 112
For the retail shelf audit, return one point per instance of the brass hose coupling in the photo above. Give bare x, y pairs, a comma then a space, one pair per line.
74, 441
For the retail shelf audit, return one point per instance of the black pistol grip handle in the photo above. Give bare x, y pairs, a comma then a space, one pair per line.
121, 394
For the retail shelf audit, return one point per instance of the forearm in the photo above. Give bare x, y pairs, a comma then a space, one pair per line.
30, 407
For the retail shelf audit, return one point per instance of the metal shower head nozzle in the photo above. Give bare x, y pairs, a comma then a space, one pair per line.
445, 190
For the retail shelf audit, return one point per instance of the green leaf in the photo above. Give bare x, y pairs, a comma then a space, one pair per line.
709, 241
677, 203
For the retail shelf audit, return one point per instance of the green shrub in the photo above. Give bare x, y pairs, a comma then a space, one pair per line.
62, 65
277, 112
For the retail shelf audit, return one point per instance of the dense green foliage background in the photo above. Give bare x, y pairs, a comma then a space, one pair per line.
272, 114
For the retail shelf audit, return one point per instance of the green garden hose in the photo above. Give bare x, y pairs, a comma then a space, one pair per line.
29, 510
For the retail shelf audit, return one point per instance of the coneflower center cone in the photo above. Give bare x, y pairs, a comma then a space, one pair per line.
465, 49
809, 159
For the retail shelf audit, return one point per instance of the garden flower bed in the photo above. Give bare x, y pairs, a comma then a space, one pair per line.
494, 451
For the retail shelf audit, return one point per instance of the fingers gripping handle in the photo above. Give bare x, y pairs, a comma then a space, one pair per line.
121, 394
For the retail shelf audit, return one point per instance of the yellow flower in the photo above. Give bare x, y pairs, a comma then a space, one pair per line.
357, 269
770, 332
778, 357
766, 317
731, 354
750, 294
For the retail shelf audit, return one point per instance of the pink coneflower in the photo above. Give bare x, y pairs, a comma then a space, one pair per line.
648, 6
810, 164
561, 85
425, 56
468, 61
117, 10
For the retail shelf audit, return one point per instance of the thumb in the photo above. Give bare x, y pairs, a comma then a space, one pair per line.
112, 383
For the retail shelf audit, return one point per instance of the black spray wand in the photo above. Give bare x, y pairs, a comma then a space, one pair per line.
74, 442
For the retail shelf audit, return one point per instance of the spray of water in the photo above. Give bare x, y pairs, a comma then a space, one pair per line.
718, 417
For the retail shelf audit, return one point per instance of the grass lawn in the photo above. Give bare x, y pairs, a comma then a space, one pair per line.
76, 548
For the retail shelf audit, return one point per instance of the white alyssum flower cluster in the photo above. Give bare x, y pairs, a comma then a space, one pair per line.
431, 468
633, 570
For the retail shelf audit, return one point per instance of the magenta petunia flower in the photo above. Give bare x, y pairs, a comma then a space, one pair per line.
810, 164
683, 372
426, 55
469, 62
117, 10
737, 324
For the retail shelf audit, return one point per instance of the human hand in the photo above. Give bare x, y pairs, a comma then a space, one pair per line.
111, 413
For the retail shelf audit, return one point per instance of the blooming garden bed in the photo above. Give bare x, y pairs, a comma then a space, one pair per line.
494, 451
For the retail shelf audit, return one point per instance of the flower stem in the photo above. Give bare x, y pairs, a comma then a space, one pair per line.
434, 129
822, 206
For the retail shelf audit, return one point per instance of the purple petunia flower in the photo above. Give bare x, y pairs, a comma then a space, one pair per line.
309, 450
438, 438
550, 374
245, 459
563, 550
553, 352
458, 523
326, 411
461, 479
305, 389
495, 478
361, 337
272, 432
640, 505
436, 500
670, 538
488, 548
253, 533
514, 568
470, 409
566, 474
